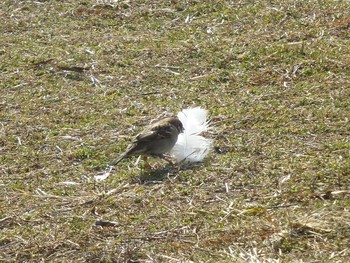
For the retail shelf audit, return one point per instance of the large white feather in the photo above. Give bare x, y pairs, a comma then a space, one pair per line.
190, 145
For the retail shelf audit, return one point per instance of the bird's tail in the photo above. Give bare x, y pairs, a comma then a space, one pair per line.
117, 160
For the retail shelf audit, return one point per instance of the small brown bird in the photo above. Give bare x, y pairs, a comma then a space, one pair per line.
157, 139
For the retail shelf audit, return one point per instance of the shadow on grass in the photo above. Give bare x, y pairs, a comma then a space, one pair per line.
166, 172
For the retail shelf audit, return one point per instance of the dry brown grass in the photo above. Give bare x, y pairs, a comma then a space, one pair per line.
79, 78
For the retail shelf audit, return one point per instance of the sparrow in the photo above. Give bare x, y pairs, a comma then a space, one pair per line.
157, 139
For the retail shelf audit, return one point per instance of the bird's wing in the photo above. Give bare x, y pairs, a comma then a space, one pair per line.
157, 132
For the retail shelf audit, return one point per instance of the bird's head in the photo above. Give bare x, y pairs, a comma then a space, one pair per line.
177, 124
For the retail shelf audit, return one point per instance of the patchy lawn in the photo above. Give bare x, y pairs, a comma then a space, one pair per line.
78, 79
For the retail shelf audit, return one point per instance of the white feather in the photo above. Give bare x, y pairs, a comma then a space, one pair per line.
190, 145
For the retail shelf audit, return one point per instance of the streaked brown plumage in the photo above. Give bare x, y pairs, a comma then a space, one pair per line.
157, 139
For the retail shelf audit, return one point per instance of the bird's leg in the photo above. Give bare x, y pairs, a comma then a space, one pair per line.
164, 157
146, 163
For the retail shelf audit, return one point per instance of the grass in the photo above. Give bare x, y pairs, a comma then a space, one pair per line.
80, 78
